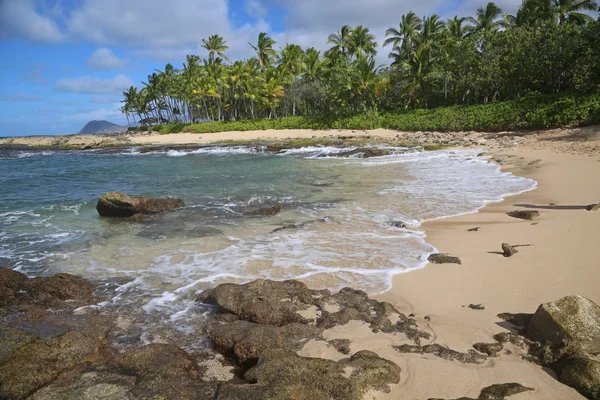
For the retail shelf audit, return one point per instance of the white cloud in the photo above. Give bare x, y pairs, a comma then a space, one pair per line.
19, 17
255, 9
19, 97
91, 85
104, 59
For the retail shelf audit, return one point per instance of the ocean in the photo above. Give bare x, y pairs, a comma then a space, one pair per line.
340, 216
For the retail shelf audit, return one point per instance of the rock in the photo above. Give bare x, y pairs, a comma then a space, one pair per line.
341, 345
491, 349
443, 259
11, 339
115, 204
266, 211
17, 289
518, 319
398, 224
508, 250
247, 340
524, 214
476, 306
572, 321
165, 371
498, 392
39, 362
283, 375
265, 301
470, 357
582, 374
93, 385
593, 207
474, 229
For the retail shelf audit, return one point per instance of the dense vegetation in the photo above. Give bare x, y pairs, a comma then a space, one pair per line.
540, 67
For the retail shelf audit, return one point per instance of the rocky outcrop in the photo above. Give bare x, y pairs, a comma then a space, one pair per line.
282, 375
17, 290
470, 357
443, 259
491, 349
498, 392
528, 215
115, 204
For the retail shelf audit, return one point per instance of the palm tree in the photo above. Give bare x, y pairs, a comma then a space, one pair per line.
487, 18
215, 44
402, 37
313, 66
531, 13
569, 10
264, 50
362, 43
292, 65
455, 27
341, 40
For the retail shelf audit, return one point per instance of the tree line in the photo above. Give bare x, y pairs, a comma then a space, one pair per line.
549, 46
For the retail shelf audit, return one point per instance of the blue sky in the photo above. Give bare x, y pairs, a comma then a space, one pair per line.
66, 62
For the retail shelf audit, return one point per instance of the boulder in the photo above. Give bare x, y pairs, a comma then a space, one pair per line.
498, 392
582, 374
524, 214
247, 340
115, 204
89, 385
443, 259
572, 321
265, 301
282, 375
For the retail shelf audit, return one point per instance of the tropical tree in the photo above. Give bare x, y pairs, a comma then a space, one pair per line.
362, 43
456, 28
487, 18
264, 50
403, 37
570, 10
215, 44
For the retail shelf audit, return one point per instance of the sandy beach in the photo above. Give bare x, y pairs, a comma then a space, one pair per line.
558, 257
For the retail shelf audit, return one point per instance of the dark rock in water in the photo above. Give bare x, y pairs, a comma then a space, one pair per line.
266, 211
443, 259
508, 250
526, 214
593, 207
172, 229
265, 301
39, 362
572, 321
17, 289
491, 349
341, 345
582, 374
476, 306
497, 392
115, 204
291, 227
283, 375
398, 224
470, 357
247, 340
365, 153
165, 371
139, 218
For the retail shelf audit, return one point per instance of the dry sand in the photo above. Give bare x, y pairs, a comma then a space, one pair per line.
563, 259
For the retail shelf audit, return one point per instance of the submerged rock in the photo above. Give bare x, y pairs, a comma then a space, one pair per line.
498, 392
283, 375
266, 211
115, 204
443, 259
524, 214
508, 250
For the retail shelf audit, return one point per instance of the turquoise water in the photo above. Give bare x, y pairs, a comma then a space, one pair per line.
343, 206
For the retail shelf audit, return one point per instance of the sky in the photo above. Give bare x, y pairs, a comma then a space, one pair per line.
66, 62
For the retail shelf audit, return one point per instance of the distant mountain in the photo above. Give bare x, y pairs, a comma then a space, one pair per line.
102, 127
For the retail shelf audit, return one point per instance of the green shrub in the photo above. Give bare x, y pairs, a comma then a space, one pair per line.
531, 112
